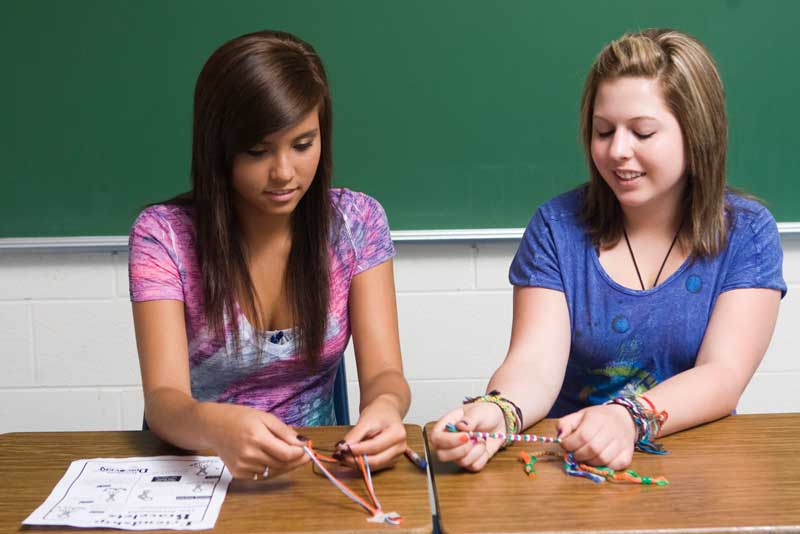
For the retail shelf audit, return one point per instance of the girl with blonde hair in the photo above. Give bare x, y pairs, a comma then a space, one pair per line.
645, 299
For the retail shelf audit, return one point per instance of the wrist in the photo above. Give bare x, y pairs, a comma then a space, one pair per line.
389, 402
627, 420
646, 420
203, 416
510, 412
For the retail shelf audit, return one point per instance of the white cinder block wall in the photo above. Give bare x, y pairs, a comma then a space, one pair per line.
69, 357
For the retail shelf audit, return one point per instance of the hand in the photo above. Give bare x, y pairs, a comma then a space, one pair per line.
599, 435
472, 454
249, 440
379, 434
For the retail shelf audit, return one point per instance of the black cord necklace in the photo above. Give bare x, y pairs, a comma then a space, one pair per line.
663, 263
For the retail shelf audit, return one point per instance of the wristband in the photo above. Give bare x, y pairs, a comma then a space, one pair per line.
511, 412
647, 420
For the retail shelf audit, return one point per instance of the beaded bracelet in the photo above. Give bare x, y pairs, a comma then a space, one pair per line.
511, 412
647, 420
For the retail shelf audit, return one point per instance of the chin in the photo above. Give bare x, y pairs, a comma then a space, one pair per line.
632, 199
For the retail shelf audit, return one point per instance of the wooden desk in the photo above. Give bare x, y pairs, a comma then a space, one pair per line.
739, 474
31, 464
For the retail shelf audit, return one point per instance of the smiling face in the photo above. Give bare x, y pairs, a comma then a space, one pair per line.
637, 144
271, 177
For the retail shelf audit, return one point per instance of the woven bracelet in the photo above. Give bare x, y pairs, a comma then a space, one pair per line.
647, 420
511, 412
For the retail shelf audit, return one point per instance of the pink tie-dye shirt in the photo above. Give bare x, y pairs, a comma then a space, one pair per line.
267, 373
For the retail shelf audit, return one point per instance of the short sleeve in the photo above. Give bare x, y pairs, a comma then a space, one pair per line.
153, 266
757, 256
370, 232
536, 261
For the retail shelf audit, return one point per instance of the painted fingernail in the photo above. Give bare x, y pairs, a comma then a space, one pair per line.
302, 437
337, 455
340, 443
464, 422
463, 438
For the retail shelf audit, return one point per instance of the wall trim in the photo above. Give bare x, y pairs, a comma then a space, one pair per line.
120, 243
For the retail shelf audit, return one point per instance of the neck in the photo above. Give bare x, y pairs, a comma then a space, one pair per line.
654, 220
260, 231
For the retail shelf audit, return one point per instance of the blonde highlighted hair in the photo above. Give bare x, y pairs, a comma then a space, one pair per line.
692, 90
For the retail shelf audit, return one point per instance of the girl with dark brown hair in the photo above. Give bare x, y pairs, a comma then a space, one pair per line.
652, 278
246, 288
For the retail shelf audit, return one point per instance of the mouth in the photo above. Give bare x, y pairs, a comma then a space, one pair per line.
280, 194
628, 176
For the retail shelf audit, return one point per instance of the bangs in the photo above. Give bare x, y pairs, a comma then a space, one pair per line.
278, 95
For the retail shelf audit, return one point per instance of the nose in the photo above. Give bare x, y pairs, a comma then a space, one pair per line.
621, 145
283, 169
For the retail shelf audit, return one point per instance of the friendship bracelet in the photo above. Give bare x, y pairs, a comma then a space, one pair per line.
511, 412
530, 459
571, 467
603, 474
647, 421
534, 438
595, 474
378, 515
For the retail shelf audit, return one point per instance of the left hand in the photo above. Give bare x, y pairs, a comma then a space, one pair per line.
599, 435
379, 434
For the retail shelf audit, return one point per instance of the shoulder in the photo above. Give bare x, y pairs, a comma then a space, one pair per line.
358, 213
164, 214
354, 205
566, 207
748, 217
560, 214
165, 223
360, 229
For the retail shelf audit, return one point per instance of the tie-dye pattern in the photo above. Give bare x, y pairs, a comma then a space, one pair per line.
625, 341
266, 375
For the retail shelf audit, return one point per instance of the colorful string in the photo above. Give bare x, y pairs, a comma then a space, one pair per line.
528, 438
511, 412
376, 510
647, 420
571, 467
530, 459
603, 474
595, 474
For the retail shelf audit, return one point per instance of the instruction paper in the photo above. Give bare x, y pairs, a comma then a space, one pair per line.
156, 492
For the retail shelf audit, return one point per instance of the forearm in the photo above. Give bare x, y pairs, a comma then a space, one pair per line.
390, 386
534, 391
533, 370
178, 418
696, 396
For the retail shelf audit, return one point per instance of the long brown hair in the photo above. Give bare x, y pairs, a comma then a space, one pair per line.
692, 90
251, 87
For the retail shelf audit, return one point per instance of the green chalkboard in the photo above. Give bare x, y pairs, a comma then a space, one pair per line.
454, 114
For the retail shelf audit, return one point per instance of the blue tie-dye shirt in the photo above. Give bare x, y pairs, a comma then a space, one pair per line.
625, 341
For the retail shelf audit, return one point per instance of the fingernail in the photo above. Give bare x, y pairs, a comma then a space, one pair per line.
340, 443
558, 433
473, 439
337, 455
463, 438
302, 437
464, 422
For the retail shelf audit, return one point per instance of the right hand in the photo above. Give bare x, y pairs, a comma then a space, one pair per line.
249, 440
471, 455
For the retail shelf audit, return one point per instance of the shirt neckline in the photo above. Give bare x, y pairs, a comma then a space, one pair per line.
630, 291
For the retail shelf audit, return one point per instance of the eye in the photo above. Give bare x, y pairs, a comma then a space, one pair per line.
606, 133
257, 152
643, 135
302, 147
